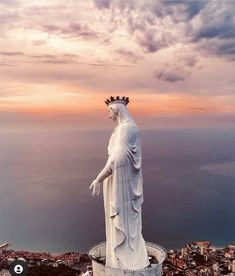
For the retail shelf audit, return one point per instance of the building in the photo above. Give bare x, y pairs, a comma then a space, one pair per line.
232, 266
3, 247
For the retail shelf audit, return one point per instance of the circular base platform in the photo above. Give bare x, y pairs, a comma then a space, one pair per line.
98, 254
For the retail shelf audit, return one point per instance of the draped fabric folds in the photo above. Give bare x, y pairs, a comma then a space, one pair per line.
123, 197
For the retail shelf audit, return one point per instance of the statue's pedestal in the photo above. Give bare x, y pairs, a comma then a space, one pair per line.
97, 254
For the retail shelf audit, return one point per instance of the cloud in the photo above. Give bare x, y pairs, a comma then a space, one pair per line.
217, 20
39, 42
102, 4
74, 29
214, 32
226, 49
10, 58
181, 9
149, 42
128, 55
193, 8
219, 48
9, 3
72, 59
190, 60
9, 17
169, 76
44, 56
158, 24
151, 24
179, 66
10, 54
2, 64
55, 59
209, 25
156, 43
151, 33
222, 31
40, 58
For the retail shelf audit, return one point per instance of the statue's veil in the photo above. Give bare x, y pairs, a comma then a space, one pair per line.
122, 112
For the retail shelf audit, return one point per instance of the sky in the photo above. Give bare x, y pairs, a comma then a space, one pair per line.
60, 60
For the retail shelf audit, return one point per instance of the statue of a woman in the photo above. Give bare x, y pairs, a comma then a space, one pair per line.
123, 192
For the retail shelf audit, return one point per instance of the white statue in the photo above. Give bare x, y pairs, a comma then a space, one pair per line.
123, 192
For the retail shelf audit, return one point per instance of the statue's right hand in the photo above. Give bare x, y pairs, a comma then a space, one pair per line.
95, 186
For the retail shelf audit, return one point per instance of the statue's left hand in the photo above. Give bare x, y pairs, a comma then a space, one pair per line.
95, 186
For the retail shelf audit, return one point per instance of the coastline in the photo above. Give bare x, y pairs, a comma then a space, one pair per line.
196, 257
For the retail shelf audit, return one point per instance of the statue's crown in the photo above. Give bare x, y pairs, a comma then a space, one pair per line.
123, 100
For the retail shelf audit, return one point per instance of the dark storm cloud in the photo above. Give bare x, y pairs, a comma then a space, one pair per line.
155, 34
219, 48
190, 8
158, 24
217, 21
226, 48
193, 7
214, 30
222, 31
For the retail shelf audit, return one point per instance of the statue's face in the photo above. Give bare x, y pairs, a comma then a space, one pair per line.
112, 114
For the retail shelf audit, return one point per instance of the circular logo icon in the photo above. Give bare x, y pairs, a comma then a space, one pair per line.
18, 268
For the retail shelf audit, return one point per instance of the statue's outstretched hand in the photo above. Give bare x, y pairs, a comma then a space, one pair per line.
95, 186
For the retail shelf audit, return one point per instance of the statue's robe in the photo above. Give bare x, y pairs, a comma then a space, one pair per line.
123, 197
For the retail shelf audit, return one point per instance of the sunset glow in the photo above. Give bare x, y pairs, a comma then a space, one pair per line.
68, 58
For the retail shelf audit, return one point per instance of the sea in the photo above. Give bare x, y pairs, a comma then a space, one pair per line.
45, 174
